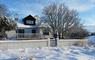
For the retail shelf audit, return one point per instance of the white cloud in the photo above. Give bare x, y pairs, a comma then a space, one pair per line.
93, 1
89, 21
81, 5
81, 8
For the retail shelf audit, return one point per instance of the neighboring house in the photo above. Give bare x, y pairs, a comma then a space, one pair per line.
30, 29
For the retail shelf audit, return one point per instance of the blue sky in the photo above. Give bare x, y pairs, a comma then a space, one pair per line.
86, 8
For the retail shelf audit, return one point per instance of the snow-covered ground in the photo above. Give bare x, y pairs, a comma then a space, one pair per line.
49, 53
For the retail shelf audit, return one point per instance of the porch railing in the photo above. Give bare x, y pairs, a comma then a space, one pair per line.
27, 35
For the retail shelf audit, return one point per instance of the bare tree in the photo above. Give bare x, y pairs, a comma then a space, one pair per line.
60, 18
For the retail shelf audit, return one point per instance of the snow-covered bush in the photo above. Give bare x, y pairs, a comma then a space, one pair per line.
6, 24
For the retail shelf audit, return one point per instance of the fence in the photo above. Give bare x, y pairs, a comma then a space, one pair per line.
23, 44
66, 42
13, 44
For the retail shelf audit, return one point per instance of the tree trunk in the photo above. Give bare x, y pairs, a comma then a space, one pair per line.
59, 36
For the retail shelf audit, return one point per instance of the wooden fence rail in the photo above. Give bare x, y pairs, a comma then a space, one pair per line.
14, 44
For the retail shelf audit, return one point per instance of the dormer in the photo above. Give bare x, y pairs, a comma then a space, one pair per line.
29, 20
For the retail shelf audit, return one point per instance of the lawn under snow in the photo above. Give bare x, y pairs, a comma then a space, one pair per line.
52, 53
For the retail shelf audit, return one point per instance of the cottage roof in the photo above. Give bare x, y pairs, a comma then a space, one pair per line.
22, 25
29, 17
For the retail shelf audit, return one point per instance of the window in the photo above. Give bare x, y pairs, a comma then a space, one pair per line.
33, 31
20, 30
29, 22
20, 33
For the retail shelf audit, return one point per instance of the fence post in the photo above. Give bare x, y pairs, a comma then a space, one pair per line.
57, 41
48, 42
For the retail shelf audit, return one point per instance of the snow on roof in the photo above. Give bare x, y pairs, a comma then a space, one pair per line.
42, 24
22, 25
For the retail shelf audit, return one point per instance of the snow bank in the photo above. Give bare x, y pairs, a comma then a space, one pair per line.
52, 53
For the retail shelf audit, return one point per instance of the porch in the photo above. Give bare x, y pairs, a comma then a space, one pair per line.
26, 36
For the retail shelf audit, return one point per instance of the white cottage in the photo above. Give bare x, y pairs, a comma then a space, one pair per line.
29, 29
